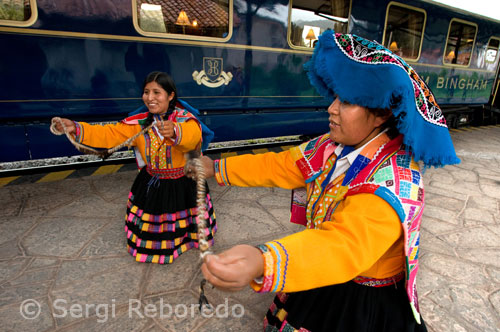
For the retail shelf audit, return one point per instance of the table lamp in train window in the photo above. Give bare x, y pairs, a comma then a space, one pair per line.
451, 56
183, 20
394, 47
310, 36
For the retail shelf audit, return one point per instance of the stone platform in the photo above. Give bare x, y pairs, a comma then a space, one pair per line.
64, 266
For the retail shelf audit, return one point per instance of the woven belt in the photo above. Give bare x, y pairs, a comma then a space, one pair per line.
171, 173
373, 282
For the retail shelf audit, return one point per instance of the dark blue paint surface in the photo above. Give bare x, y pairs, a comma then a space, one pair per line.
98, 79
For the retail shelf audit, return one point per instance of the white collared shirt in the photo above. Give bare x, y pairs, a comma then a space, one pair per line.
345, 162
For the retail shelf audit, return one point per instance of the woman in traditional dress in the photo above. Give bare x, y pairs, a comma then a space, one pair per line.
358, 191
160, 223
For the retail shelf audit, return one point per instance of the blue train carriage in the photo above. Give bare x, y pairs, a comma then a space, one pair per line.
86, 59
458, 59
239, 62
454, 51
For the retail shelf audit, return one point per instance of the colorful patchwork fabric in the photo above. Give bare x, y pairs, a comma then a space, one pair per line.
316, 161
309, 156
395, 177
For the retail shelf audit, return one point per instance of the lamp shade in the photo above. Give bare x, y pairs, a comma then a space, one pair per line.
450, 56
310, 35
393, 47
183, 19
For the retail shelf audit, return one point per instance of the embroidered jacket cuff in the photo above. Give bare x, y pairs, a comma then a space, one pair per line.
177, 133
221, 172
78, 132
267, 280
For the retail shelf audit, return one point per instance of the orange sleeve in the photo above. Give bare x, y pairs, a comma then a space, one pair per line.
106, 136
188, 135
261, 170
363, 228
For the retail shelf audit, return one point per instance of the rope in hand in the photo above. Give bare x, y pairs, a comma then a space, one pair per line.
88, 150
194, 163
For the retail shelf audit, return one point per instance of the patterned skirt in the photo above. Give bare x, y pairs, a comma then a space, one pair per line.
344, 307
161, 218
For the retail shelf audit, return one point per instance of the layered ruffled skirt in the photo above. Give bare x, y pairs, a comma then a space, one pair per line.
161, 217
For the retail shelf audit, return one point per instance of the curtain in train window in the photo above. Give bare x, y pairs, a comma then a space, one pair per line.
15, 10
309, 18
404, 31
209, 18
460, 43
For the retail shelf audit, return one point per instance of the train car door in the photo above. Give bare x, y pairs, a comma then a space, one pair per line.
495, 96
492, 57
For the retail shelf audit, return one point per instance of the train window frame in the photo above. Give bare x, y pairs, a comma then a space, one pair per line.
164, 35
498, 50
289, 28
29, 22
448, 36
416, 9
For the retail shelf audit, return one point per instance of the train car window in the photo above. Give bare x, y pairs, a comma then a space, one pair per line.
197, 19
492, 50
309, 18
460, 43
17, 12
404, 30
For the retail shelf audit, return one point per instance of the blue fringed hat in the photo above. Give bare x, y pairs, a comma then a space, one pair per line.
366, 73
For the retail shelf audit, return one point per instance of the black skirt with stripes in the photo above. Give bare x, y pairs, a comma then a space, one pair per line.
161, 218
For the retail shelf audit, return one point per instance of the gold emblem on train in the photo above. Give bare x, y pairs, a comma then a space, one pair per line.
212, 75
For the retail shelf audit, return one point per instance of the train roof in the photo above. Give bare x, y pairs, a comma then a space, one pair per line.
462, 11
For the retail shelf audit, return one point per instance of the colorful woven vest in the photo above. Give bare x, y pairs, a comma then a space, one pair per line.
179, 115
391, 174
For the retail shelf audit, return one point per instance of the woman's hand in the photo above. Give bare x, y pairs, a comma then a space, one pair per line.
208, 165
70, 125
233, 269
166, 129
